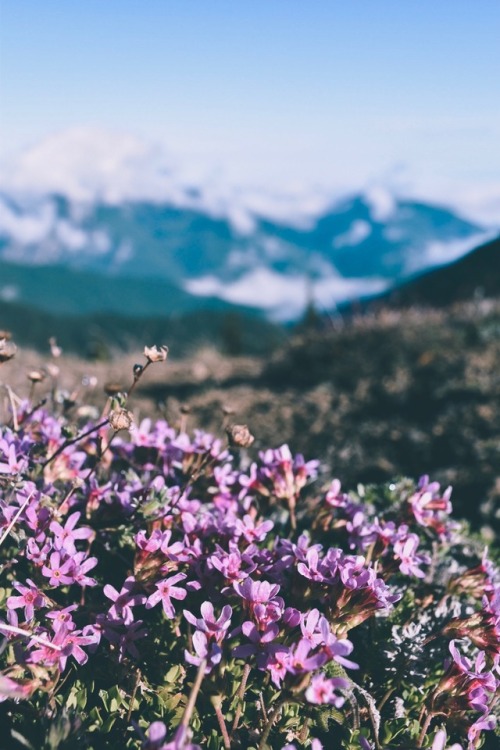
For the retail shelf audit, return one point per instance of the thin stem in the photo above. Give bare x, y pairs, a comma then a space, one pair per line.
369, 554
269, 725
425, 727
241, 695
67, 443
12, 397
263, 707
134, 693
385, 698
28, 634
137, 378
101, 454
33, 409
216, 702
303, 731
192, 479
14, 519
194, 694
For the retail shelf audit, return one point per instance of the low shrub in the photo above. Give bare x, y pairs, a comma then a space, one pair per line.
160, 589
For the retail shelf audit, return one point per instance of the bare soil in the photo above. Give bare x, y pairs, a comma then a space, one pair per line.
383, 395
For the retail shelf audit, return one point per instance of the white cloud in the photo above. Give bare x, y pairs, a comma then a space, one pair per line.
382, 203
27, 228
70, 236
439, 253
357, 232
35, 233
284, 297
89, 164
9, 293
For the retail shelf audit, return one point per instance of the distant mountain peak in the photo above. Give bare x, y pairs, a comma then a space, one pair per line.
112, 205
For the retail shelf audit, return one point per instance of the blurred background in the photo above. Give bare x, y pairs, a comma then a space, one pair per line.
301, 200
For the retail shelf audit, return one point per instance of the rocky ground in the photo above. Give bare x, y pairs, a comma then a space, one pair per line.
383, 395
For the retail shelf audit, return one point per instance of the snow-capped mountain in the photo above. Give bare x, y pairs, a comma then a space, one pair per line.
357, 247
111, 207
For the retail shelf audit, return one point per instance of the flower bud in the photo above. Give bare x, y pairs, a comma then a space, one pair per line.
120, 419
7, 350
36, 376
239, 436
153, 354
55, 350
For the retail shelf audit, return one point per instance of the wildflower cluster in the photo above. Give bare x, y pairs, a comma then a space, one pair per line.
160, 591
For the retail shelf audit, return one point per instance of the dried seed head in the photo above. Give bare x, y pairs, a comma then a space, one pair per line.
55, 350
153, 354
7, 350
36, 376
120, 419
111, 389
239, 436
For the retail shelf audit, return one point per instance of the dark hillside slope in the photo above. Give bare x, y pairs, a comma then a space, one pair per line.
100, 335
475, 274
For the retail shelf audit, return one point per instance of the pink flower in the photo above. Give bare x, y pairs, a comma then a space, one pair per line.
322, 690
30, 598
65, 536
123, 600
165, 592
406, 551
60, 572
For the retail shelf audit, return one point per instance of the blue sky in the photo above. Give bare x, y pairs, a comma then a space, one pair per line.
326, 92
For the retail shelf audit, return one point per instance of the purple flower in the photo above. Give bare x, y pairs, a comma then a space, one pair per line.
62, 617
276, 663
10, 689
465, 686
230, 564
30, 598
406, 551
336, 648
299, 660
157, 733
440, 742
126, 640
430, 507
310, 568
260, 640
205, 649
165, 592
256, 592
60, 572
215, 629
250, 531
123, 600
322, 690
66, 536
487, 722
82, 566
310, 627
14, 464
64, 644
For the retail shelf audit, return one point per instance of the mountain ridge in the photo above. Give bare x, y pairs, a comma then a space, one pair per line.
356, 247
